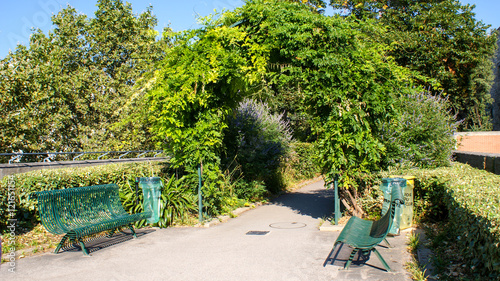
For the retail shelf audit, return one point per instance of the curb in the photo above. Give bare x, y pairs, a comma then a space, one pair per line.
224, 218
328, 226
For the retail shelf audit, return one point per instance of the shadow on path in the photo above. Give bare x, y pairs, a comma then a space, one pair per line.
317, 203
95, 244
339, 255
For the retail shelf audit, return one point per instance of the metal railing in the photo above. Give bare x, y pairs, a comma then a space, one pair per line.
51, 156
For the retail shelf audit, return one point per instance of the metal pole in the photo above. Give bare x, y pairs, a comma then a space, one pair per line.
337, 200
136, 189
200, 197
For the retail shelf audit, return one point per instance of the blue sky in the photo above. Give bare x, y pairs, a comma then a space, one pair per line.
17, 17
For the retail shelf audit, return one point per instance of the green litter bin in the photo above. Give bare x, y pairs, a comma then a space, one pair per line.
387, 185
151, 191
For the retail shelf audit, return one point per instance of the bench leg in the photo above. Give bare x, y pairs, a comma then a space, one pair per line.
382, 260
82, 245
59, 246
351, 257
132, 229
388, 244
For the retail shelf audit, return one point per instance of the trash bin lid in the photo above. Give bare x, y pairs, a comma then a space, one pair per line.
398, 179
150, 181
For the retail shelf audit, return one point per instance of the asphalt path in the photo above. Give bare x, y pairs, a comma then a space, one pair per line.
280, 240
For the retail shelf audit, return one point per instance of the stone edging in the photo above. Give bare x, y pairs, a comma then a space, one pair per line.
225, 218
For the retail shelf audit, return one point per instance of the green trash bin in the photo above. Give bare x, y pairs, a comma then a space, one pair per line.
151, 191
387, 185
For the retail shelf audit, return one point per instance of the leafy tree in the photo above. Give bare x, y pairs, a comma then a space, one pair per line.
441, 40
267, 49
315, 5
363, 8
199, 81
39, 108
202, 77
67, 89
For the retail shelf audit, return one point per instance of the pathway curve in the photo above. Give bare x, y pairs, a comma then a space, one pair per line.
292, 249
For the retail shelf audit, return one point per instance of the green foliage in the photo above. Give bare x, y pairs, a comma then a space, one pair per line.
362, 9
470, 200
371, 200
428, 204
196, 87
350, 96
177, 202
66, 90
223, 192
316, 6
417, 272
257, 140
26, 209
250, 191
421, 132
199, 82
299, 164
441, 40
178, 199
332, 69
414, 242
343, 78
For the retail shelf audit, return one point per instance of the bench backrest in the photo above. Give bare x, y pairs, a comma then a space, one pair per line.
64, 209
381, 227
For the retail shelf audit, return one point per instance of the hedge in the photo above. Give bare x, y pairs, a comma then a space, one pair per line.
21, 185
470, 199
178, 194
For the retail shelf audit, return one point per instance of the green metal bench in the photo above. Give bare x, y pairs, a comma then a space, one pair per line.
365, 235
82, 211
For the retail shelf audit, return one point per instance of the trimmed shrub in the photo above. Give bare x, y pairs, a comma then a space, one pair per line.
26, 210
222, 192
470, 200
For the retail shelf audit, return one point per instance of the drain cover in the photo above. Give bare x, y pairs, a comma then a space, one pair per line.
256, 232
287, 225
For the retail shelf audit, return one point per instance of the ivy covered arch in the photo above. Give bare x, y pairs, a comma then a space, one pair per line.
330, 68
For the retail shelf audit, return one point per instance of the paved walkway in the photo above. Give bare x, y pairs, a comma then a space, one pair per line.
292, 249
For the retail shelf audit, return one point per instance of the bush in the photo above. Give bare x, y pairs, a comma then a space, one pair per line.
257, 140
250, 191
470, 200
222, 192
421, 134
177, 202
299, 164
122, 174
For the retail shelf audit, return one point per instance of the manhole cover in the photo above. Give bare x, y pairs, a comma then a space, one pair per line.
256, 232
287, 225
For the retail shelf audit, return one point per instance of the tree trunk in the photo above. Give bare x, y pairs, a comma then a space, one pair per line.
350, 202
